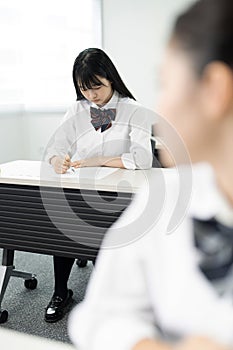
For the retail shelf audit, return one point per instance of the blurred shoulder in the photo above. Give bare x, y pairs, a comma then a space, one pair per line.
136, 110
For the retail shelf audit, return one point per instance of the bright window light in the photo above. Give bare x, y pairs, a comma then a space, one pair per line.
39, 43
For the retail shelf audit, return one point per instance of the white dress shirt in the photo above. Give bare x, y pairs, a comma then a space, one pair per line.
128, 137
154, 287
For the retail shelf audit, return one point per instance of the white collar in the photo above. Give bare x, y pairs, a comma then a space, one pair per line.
207, 200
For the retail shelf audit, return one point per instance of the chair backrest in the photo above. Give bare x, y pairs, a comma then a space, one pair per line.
155, 163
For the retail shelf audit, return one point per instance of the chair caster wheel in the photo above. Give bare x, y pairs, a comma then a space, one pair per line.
3, 316
30, 283
81, 262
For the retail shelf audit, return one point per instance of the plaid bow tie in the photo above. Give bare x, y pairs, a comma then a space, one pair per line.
102, 118
215, 244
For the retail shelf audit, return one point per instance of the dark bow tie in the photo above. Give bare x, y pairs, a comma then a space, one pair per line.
215, 244
102, 118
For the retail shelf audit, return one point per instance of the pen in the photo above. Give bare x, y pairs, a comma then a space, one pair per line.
72, 169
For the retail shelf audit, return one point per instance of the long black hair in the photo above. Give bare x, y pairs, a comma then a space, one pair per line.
94, 62
205, 31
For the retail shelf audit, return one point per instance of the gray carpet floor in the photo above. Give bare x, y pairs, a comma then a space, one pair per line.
26, 307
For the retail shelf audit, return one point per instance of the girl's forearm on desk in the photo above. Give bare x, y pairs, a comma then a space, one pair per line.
112, 162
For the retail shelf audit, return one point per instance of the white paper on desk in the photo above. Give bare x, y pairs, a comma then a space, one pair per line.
21, 169
96, 173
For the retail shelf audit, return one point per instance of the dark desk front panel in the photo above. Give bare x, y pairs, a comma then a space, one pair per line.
57, 221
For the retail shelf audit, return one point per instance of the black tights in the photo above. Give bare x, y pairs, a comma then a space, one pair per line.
62, 269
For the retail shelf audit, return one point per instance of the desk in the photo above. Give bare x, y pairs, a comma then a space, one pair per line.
48, 214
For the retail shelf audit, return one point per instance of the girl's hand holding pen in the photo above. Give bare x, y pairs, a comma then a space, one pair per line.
61, 165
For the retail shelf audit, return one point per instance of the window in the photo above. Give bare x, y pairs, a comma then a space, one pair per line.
39, 43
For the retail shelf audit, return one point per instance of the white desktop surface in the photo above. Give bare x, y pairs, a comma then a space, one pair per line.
20, 341
26, 172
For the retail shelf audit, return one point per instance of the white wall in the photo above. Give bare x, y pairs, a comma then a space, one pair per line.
39, 129
134, 33
26, 136
12, 137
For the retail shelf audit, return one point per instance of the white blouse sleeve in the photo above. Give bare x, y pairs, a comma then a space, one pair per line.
140, 153
116, 312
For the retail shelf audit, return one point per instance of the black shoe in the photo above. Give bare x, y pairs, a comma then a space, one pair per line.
56, 307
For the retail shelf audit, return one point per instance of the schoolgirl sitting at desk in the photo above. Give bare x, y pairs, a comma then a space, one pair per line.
105, 127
